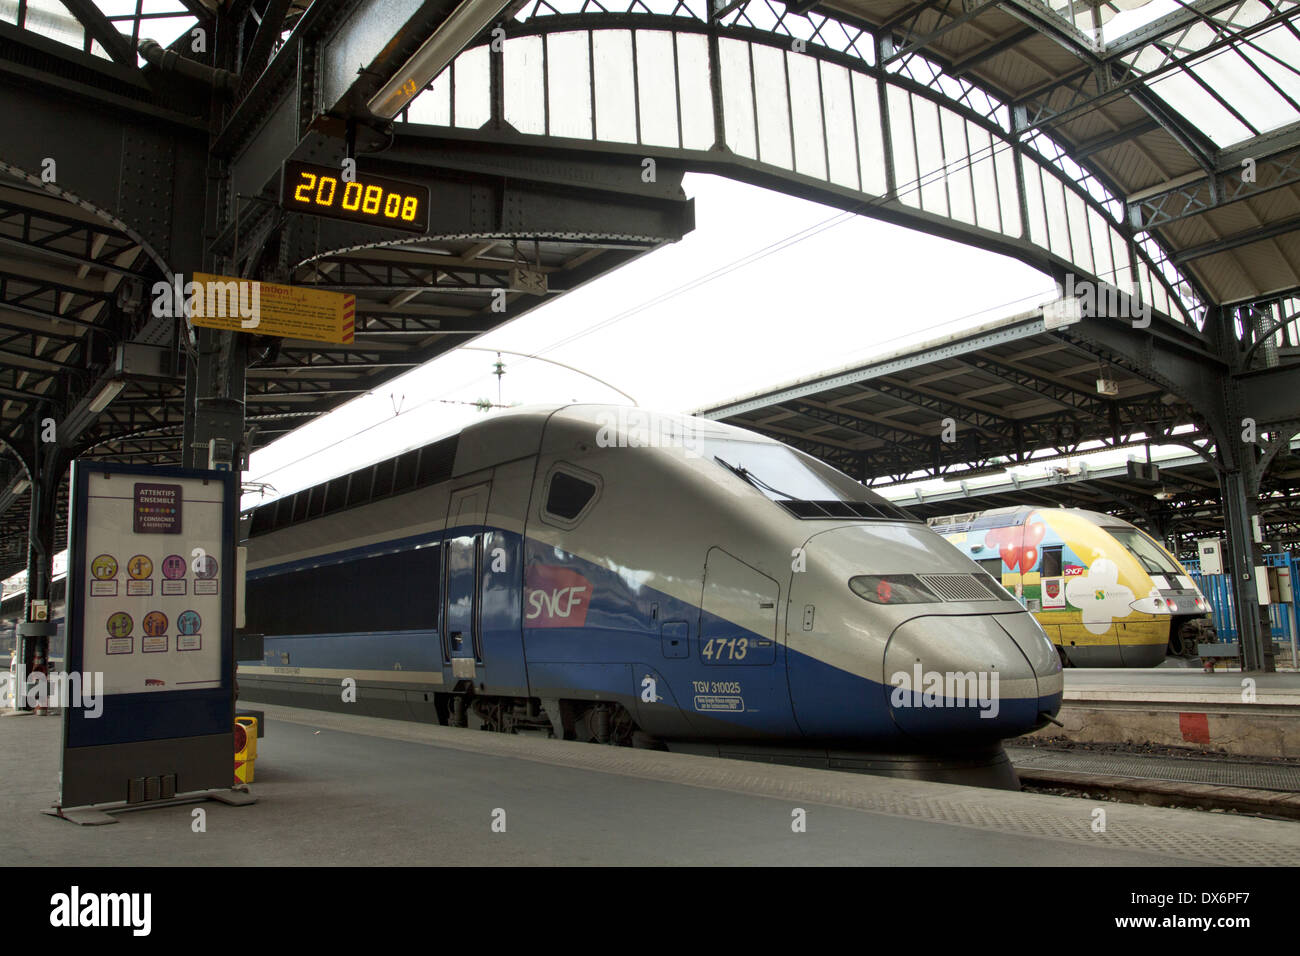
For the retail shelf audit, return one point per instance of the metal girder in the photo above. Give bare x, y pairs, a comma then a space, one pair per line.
918, 43
1048, 22
1232, 183
339, 54
1199, 146
1105, 77
1111, 140
496, 189
906, 454
1179, 365
928, 400
848, 419
1061, 394
197, 8
731, 160
1271, 396
1001, 45
1258, 234
268, 31
1014, 330
99, 27
1187, 15
140, 171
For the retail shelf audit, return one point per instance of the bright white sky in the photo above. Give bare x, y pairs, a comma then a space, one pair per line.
853, 289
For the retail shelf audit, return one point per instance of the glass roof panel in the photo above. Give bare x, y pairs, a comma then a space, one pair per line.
1255, 77
1129, 15
1237, 82
161, 20
1188, 97
1277, 53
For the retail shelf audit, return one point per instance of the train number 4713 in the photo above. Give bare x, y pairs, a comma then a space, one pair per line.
725, 648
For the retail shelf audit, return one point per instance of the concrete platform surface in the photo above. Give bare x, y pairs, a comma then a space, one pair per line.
1180, 685
339, 790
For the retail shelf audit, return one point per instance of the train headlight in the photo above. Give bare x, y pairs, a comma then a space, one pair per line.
892, 589
1152, 605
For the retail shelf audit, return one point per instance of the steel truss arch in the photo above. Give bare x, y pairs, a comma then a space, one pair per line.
943, 155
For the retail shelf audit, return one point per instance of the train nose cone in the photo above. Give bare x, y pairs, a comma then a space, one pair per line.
962, 676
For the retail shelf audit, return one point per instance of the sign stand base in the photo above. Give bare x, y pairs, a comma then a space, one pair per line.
99, 816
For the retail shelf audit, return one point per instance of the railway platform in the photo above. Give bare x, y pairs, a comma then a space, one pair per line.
1226, 711
334, 789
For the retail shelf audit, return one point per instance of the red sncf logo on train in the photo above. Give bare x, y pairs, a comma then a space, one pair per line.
555, 596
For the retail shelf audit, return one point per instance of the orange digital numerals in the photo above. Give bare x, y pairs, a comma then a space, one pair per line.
323, 190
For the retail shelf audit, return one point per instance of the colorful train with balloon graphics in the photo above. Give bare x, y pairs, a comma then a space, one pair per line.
1106, 593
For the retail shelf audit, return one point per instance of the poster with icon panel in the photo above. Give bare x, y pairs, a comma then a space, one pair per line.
152, 605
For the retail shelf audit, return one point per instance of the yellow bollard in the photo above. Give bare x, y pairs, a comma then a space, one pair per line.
245, 748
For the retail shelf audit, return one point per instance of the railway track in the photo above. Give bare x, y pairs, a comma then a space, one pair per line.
1169, 777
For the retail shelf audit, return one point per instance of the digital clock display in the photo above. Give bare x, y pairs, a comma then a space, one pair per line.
375, 200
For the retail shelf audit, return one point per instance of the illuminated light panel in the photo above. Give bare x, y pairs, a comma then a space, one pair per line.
374, 200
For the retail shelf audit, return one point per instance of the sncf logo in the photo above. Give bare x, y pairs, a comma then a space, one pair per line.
555, 596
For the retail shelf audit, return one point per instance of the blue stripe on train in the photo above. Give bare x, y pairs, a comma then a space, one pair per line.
620, 651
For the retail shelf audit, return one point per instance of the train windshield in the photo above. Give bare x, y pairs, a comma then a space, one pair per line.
804, 486
1150, 555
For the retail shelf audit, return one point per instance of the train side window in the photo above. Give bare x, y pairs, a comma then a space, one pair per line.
1052, 562
993, 566
323, 600
570, 494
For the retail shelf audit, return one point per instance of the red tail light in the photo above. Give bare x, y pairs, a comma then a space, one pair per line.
892, 589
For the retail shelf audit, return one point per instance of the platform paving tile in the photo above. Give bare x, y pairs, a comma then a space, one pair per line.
335, 789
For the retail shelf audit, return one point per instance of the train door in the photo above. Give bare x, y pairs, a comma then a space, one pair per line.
1051, 578
462, 552
740, 649
501, 577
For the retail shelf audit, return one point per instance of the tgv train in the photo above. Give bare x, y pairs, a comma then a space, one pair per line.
604, 574
1105, 592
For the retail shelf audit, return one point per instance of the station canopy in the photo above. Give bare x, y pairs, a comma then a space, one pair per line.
1181, 113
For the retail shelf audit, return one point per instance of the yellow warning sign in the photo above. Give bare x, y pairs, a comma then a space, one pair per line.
265, 308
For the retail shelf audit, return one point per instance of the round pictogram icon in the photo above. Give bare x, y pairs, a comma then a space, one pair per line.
189, 622
104, 567
155, 624
139, 567
120, 624
173, 567
205, 567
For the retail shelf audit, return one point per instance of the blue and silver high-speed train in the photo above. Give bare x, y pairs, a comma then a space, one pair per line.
606, 574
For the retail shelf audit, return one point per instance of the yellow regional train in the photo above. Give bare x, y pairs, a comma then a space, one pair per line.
1106, 593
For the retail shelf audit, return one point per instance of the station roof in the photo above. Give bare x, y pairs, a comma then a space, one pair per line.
1005, 391
1185, 500
1163, 115
67, 275
1163, 100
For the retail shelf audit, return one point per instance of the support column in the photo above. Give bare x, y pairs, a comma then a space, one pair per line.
1243, 557
214, 416
47, 465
